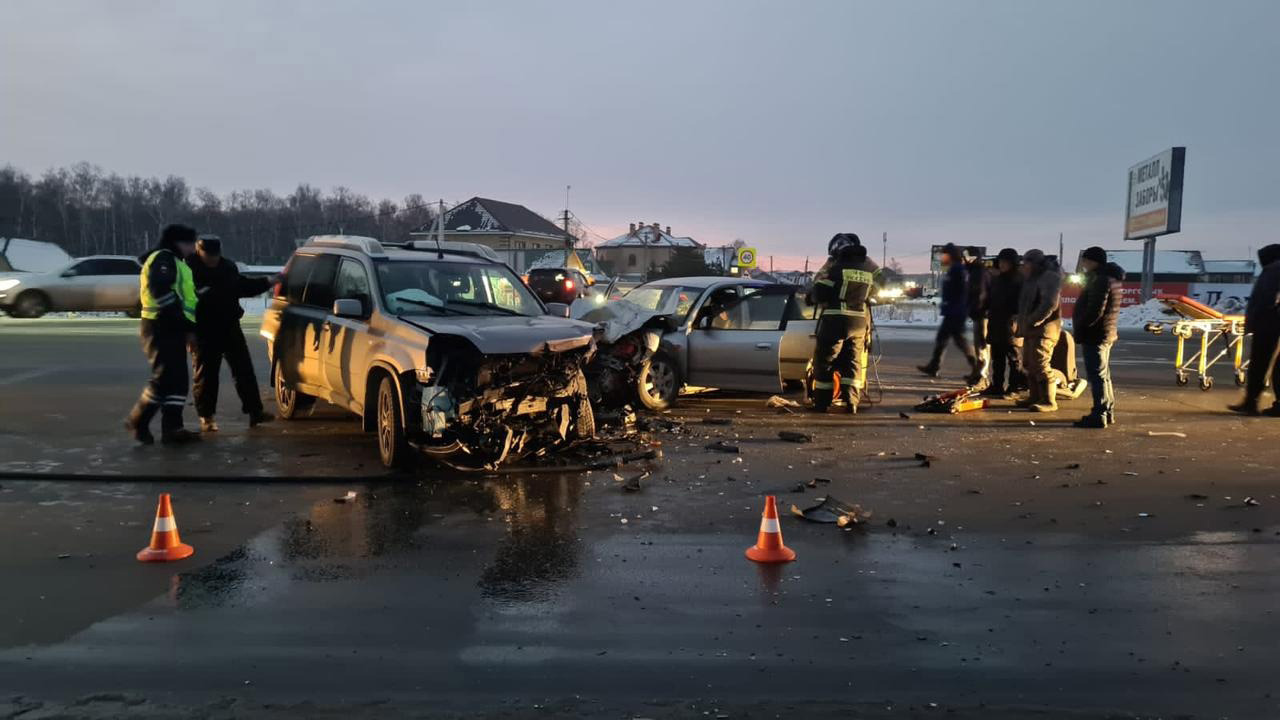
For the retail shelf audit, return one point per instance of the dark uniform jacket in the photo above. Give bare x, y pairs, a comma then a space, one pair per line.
1093, 321
847, 286
955, 293
219, 290
1262, 314
978, 295
1002, 302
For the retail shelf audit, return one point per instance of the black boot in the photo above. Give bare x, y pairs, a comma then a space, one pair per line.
930, 369
849, 396
180, 436
1091, 421
1247, 406
260, 416
139, 431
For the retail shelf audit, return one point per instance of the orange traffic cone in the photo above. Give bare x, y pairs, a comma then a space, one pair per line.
165, 545
769, 547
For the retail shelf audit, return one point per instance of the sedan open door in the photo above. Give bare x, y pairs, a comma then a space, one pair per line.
736, 345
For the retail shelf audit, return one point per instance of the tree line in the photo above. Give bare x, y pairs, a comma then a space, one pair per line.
89, 212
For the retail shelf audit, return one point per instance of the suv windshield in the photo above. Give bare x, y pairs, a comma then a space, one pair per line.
425, 287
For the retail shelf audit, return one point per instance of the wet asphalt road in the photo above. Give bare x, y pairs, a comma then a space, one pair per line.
1020, 572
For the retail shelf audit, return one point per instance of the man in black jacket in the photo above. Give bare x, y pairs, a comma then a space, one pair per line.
220, 286
979, 295
1094, 322
1002, 326
1262, 319
953, 309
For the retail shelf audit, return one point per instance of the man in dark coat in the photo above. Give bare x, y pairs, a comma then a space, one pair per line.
1262, 319
1040, 324
220, 286
1002, 326
1094, 325
977, 300
954, 310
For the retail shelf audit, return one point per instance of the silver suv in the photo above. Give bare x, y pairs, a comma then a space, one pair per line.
439, 348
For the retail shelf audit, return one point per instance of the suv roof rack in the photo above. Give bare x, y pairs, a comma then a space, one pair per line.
366, 245
456, 247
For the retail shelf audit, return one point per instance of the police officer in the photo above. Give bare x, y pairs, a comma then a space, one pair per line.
220, 286
842, 291
168, 298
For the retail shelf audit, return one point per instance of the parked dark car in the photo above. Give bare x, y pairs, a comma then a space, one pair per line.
558, 285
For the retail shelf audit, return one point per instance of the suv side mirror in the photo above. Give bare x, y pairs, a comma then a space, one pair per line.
558, 310
348, 308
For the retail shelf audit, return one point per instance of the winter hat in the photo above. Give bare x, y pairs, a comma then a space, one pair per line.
173, 235
210, 244
1268, 254
1095, 254
1009, 254
1034, 257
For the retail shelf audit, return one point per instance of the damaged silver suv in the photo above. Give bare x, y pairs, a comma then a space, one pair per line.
438, 348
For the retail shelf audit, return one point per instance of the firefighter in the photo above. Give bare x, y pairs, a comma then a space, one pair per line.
842, 293
1002, 323
167, 294
220, 286
954, 311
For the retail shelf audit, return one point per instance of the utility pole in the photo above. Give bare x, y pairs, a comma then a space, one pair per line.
884, 256
1062, 260
568, 238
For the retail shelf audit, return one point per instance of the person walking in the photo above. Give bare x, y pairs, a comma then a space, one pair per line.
1040, 322
1262, 320
168, 297
977, 301
842, 294
954, 310
1093, 323
1002, 326
220, 286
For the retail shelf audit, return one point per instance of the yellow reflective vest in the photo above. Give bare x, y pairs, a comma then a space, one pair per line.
182, 289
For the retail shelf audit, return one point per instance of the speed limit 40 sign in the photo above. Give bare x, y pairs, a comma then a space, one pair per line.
747, 258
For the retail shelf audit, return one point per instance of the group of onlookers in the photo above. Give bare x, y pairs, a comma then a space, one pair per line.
1016, 313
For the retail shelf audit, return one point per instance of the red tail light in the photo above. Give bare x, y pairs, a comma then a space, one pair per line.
568, 284
277, 290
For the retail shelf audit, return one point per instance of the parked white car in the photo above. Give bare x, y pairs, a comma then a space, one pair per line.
104, 283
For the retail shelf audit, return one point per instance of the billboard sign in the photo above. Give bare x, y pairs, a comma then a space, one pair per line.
1155, 196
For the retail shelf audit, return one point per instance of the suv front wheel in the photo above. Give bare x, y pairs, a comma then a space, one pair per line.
393, 449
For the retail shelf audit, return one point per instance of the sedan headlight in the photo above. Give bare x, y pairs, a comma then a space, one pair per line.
9, 284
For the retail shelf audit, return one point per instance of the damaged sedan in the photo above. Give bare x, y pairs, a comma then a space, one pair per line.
437, 347
729, 333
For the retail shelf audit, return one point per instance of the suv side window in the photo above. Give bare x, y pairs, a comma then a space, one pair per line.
352, 283
319, 291
86, 267
296, 275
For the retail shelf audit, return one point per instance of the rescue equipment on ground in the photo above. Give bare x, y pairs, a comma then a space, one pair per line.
956, 401
1218, 333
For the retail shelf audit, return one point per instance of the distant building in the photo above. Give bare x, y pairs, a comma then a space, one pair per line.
1170, 265
1230, 271
500, 225
643, 248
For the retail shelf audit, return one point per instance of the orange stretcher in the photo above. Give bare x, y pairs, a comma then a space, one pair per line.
1220, 333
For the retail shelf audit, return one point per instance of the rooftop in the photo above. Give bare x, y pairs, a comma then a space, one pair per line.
649, 236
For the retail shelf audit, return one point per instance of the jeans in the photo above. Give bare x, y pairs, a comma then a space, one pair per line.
1097, 365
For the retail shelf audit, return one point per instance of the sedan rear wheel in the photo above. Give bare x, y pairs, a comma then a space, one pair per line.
289, 402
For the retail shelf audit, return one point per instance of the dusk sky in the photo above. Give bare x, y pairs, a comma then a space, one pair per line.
993, 123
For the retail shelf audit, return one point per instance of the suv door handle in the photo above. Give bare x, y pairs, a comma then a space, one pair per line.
763, 345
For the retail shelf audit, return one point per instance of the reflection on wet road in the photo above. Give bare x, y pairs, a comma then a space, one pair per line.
517, 585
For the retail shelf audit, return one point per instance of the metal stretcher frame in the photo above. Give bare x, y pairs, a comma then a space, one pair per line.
1212, 327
